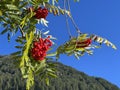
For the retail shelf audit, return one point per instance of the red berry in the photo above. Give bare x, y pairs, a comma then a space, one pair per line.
48, 36
84, 44
40, 48
41, 13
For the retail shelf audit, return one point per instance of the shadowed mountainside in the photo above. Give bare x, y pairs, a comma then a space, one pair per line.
68, 79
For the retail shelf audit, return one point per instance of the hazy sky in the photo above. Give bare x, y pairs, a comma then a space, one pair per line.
101, 17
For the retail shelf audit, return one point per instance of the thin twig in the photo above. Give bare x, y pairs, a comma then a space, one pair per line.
68, 28
75, 25
21, 31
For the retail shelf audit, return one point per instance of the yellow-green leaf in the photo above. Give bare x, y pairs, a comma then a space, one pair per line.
47, 81
0, 13
30, 80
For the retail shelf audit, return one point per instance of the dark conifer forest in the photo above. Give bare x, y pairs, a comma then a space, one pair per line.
68, 79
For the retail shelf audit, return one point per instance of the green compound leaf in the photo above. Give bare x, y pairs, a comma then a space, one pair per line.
30, 79
29, 66
69, 48
39, 67
25, 65
26, 19
25, 57
101, 40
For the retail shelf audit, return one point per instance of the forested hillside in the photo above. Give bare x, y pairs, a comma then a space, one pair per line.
68, 79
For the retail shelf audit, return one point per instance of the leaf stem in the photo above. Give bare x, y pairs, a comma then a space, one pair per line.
21, 31
68, 28
75, 25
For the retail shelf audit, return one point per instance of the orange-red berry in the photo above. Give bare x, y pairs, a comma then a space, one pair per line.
41, 13
40, 48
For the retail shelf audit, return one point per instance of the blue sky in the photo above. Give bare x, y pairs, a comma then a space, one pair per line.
101, 17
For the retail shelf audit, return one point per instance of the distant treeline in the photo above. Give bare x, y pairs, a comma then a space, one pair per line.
68, 79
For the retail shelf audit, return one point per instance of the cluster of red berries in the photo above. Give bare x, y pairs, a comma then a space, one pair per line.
40, 48
83, 44
41, 13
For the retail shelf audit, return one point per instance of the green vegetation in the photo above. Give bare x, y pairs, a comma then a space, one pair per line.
68, 79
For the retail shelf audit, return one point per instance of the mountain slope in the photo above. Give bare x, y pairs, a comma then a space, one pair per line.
68, 79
